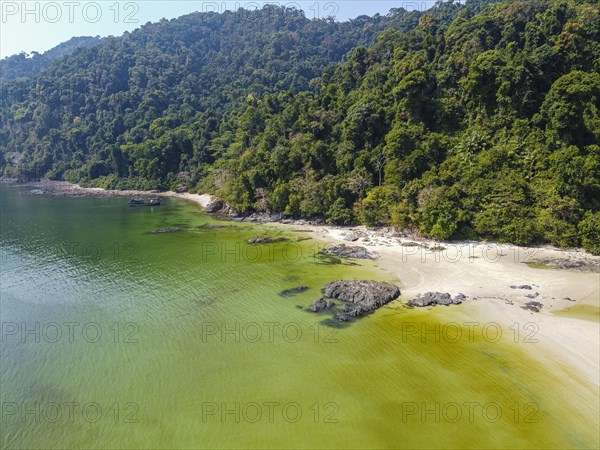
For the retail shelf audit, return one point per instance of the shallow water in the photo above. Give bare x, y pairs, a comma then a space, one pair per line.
582, 312
113, 336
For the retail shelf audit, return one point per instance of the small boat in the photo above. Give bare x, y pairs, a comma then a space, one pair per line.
142, 202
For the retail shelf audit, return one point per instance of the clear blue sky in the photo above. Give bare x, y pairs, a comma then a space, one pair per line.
40, 25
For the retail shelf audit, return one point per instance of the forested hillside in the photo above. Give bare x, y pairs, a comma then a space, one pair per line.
488, 127
23, 65
167, 86
476, 121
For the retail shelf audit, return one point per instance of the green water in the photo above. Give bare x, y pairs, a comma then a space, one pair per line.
115, 337
582, 312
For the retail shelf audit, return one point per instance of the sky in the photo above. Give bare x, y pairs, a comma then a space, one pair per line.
40, 25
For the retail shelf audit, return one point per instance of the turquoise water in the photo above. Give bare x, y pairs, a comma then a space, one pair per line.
117, 337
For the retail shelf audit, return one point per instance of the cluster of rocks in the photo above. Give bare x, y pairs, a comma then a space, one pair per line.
358, 297
528, 288
346, 251
436, 298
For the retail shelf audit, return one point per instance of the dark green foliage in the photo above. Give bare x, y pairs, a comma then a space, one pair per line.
477, 120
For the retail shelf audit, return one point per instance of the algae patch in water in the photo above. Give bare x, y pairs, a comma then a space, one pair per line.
583, 312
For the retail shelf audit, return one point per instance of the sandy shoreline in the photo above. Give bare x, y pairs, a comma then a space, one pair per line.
483, 271
66, 189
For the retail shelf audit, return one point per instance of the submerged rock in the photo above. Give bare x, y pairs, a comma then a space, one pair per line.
346, 251
357, 297
523, 286
582, 264
436, 298
294, 291
265, 240
166, 230
214, 226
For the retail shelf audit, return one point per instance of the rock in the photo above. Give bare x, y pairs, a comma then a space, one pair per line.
265, 240
294, 291
436, 298
370, 293
215, 205
523, 286
358, 297
569, 299
410, 244
430, 298
342, 317
320, 304
459, 299
345, 251
534, 295
533, 306
352, 237
166, 230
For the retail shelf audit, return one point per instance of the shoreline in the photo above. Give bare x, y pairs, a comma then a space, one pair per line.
67, 189
483, 271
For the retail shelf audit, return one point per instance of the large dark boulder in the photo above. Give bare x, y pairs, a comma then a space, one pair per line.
358, 297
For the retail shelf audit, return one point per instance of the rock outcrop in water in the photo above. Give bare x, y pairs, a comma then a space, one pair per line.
166, 230
347, 251
265, 240
436, 298
357, 297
